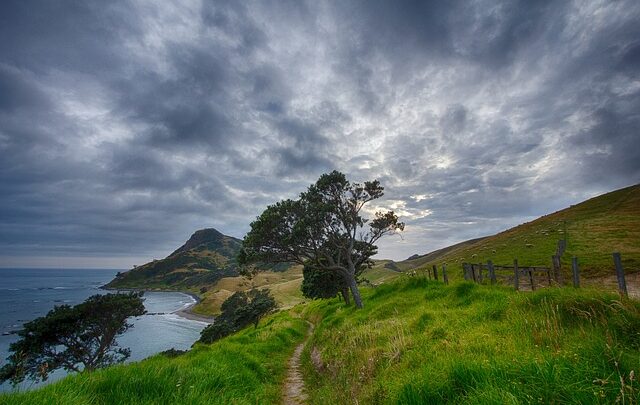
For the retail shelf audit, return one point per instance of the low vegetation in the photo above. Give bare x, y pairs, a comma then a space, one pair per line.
238, 311
246, 368
418, 341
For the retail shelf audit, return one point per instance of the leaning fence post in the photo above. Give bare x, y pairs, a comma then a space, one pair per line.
444, 274
555, 261
576, 272
622, 284
516, 279
533, 286
492, 272
435, 272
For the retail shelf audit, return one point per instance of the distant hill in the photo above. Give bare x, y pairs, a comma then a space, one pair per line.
594, 229
205, 258
417, 260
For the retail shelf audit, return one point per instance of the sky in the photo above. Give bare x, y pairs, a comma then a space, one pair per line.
127, 125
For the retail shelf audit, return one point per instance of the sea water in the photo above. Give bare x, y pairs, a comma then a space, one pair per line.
26, 294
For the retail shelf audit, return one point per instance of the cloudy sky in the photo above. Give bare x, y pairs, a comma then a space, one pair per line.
127, 125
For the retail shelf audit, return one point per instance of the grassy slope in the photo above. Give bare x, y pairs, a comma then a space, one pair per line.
436, 255
284, 286
595, 229
380, 273
247, 368
418, 341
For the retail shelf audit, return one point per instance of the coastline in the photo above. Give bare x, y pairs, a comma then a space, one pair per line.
185, 312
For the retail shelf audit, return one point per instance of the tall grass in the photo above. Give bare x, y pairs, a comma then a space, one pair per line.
247, 368
420, 342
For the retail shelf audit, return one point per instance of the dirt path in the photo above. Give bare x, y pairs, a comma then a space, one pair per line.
294, 392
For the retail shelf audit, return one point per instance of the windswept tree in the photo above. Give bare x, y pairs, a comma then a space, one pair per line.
78, 338
324, 228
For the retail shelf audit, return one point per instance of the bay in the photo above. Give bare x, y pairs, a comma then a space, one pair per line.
26, 294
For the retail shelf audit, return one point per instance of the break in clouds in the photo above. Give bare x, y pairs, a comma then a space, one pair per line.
127, 125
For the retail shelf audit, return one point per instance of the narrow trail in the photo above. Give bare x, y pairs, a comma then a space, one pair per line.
294, 391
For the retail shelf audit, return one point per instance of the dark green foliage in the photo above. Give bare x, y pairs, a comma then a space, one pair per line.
321, 283
260, 303
75, 338
216, 331
173, 353
238, 311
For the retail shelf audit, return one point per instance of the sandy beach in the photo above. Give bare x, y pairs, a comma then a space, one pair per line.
186, 312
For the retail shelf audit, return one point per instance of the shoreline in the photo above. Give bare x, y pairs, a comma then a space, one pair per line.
185, 312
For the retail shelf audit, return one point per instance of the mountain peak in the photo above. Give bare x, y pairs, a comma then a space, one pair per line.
201, 237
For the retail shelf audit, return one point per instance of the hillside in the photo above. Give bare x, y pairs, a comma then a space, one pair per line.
593, 229
205, 258
206, 267
284, 286
415, 342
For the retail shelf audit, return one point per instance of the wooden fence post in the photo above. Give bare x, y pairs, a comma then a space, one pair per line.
531, 281
480, 277
559, 265
492, 272
444, 274
516, 280
549, 276
473, 272
576, 272
555, 261
465, 272
622, 284
435, 272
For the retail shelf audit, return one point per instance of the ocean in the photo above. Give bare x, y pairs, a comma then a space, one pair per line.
26, 294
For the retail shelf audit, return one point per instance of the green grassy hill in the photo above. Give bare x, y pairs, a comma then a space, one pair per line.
204, 259
593, 229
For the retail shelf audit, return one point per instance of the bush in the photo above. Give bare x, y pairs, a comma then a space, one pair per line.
238, 311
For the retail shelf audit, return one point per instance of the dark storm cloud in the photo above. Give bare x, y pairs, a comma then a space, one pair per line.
124, 126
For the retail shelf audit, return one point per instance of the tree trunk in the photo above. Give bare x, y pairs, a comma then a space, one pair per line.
345, 295
351, 279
